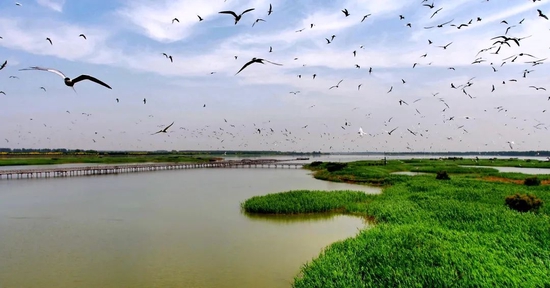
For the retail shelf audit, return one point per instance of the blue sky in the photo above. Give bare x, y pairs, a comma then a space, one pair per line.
126, 39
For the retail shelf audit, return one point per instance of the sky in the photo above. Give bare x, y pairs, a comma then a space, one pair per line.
213, 108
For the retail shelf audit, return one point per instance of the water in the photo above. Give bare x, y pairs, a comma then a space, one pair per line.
530, 171
408, 173
177, 228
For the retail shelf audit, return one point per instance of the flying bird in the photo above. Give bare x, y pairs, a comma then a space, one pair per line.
345, 11
50, 40
175, 19
257, 60
68, 81
4, 65
365, 17
237, 17
270, 10
541, 14
445, 46
200, 18
257, 20
435, 13
337, 85
163, 130
83, 36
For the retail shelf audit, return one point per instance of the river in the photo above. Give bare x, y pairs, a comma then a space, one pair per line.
176, 228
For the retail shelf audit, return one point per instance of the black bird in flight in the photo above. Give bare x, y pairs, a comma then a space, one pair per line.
200, 18
4, 65
440, 25
445, 47
257, 20
337, 85
505, 40
542, 15
365, 17
435, 13
257, 60
429, 5
50, 40
345, 11
175, 19
237, 17
163, 130
144, 101
68, 81
270, 10
83, 36
392, 130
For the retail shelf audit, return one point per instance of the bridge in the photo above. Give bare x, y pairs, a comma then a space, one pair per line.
132, 168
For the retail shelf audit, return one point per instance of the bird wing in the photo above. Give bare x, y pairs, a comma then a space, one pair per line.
246, 65
168, 126
247, 10
228, 12
88, 77
46, 69
273, 63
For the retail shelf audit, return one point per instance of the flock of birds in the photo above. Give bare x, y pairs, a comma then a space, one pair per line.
499, 44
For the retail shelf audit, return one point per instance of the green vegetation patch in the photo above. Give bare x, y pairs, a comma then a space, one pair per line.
303, 201
430, 233
463, 232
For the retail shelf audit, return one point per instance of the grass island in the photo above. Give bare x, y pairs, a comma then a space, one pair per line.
428, 232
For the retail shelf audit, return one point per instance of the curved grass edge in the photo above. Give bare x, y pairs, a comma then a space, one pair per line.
455, 233
435, 233
305, 202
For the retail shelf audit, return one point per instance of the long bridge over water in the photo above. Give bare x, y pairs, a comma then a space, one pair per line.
131, 168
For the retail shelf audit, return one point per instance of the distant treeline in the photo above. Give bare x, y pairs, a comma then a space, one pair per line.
485, 153
63, 151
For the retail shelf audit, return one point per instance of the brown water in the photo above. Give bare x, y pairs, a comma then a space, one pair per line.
178, 228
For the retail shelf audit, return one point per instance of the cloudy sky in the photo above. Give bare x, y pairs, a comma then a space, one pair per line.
215, 109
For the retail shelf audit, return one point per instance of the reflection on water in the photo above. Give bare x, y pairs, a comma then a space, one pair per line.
530, 171
288, 219
409, 173
177, 228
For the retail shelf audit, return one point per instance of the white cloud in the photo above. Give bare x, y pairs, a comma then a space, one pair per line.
56, 5
260, 94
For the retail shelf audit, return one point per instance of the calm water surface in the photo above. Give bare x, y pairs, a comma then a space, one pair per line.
530, 171
178, 228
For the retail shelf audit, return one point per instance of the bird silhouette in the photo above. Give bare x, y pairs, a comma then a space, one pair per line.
68, 81
163, 130
237, 17
256, 60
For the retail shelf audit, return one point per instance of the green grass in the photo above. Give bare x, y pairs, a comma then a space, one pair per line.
429, 233
100, 159
302, 201
364, 172
433, 233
